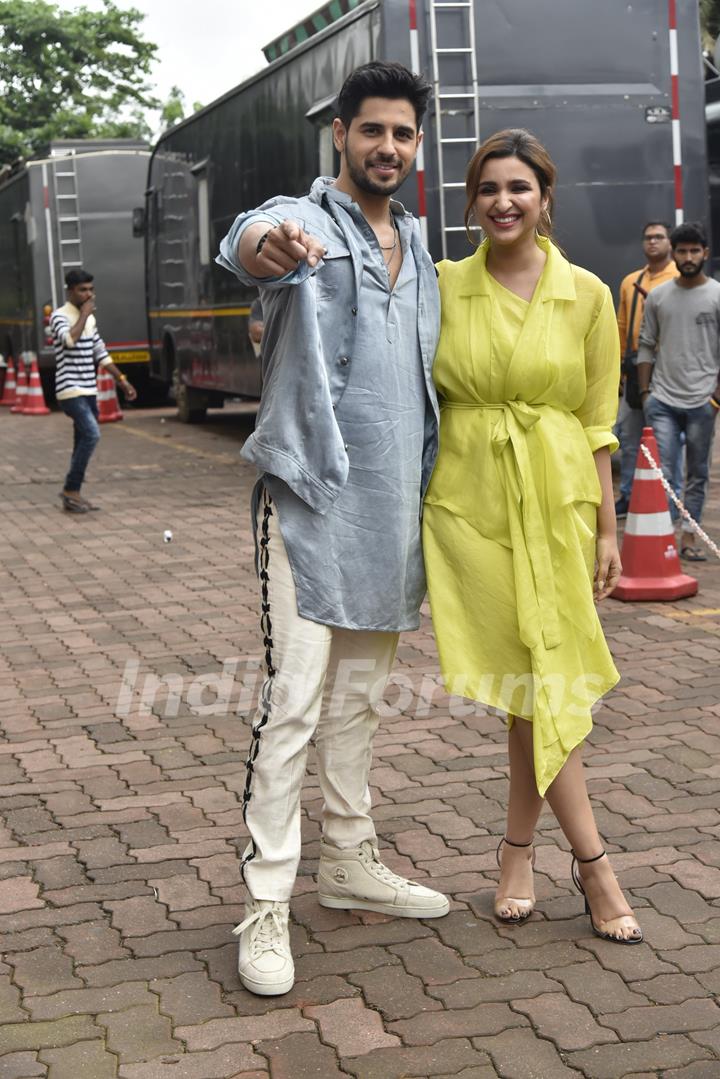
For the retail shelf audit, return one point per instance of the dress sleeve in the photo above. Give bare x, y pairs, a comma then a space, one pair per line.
598, 411
622, 318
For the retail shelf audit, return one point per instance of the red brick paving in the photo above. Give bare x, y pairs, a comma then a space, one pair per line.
121, 823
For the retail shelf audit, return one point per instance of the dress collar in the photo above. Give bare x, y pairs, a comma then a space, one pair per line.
556, 281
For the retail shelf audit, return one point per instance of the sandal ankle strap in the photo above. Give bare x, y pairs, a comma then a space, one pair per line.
511, 844
586, 861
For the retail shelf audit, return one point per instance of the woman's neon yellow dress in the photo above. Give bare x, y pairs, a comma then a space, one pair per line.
528, 393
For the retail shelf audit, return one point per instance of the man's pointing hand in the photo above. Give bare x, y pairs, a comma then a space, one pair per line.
282, 249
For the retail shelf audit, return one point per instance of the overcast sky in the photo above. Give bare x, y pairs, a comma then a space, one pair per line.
207, 47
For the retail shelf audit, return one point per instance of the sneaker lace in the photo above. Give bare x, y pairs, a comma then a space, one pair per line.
379, 869
268, 932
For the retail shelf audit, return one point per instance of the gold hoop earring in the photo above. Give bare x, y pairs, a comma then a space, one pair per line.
471, 227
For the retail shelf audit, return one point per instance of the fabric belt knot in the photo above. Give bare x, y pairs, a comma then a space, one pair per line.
513, 414
538, 619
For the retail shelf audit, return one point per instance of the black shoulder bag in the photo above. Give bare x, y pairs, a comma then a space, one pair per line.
629, 365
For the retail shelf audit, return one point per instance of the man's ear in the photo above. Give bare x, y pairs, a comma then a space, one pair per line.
339, 134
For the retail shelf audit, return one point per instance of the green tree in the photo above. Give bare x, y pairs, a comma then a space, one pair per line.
71, 74
710, 20
174, 108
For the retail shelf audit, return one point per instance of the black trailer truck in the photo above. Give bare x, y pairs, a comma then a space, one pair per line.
614, 90
69, 207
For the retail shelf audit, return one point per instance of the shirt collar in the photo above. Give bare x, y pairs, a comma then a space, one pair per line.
324, 187
670, 269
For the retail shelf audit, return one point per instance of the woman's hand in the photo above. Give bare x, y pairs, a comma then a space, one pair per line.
608, 566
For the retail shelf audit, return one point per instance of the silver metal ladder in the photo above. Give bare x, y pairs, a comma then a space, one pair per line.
453, 99
65, 183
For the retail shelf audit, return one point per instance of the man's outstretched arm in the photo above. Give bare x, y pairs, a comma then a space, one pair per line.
281, 249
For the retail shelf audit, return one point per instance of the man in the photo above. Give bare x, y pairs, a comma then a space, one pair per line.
681, 329
345, 442
79, 350
255, 326
634, 288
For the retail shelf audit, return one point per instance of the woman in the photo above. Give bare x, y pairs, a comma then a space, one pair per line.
520, 509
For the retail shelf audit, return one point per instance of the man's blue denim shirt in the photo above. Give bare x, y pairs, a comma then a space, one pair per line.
308, 344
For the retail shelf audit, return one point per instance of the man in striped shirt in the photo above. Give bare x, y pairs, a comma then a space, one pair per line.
79, 351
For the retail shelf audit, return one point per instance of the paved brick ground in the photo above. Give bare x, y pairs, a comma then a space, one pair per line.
120, 821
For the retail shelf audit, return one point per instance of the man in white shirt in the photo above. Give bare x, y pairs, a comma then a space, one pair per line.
79, 351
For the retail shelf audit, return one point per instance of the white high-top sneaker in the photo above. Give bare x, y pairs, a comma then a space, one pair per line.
265, 963
356, 879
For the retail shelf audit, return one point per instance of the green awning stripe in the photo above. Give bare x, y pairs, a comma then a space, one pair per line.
313, 24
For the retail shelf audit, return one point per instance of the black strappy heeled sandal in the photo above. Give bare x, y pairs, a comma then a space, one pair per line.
622, 918
525, 906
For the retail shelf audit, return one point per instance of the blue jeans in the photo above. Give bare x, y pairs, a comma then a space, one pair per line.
698, 426
628, 430
83, 411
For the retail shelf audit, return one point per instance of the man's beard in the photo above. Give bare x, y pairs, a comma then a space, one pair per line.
361, 179
691, 269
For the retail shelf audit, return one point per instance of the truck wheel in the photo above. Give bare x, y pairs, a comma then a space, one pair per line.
191, 404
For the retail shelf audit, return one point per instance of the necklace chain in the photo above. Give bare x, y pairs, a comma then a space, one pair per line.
391, 248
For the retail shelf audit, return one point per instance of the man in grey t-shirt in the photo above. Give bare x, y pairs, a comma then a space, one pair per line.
681, 329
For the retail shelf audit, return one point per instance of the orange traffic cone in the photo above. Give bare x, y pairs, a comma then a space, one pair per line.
651, 566
21, 388
34, 404
108, 407
8, 397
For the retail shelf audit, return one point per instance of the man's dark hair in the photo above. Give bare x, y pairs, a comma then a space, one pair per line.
379, 79
73, 277
692, 232
655, 224
77, 277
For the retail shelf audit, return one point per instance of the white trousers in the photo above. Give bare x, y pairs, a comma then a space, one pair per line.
321, 682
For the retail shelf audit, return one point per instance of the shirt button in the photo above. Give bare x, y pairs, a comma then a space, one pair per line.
354, 310
344, 361
346, 445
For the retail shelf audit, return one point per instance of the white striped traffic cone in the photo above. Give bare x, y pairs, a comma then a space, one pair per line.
34, 403
651, 566
8, 397
108, 407
21, 387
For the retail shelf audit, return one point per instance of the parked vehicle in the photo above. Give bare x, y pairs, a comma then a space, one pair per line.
613, 89
72, 207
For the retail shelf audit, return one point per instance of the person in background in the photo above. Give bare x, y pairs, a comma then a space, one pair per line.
679, 367
634, 288
79, 352
256, 325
